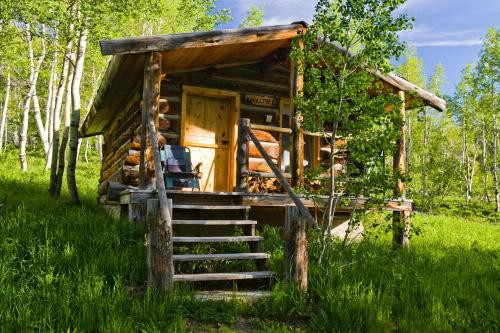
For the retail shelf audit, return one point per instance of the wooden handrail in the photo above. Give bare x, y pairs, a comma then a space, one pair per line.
246, 130
271, 128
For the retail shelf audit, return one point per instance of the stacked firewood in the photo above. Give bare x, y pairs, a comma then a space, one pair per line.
264, 185
130, 171
256, 163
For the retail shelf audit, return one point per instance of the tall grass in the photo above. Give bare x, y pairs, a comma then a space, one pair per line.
67, 268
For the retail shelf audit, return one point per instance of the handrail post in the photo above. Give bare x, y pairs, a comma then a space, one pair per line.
242, 156
162, 252
296, 263
296, 200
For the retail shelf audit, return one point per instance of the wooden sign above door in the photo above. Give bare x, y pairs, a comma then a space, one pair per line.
260, 100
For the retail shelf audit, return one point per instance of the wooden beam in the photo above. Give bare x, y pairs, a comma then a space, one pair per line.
402, 84
200, 39
159, 253
296, 87
295, 256
161, 225
271, 128
401, 219
296, 200
242, 156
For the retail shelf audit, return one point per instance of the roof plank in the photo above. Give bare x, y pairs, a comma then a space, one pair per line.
200, 39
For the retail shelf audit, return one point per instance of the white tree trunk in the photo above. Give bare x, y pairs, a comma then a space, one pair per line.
5, 109
49, 110
57, 120
85, 155
64, 141
495, 165
24, 134
485, 165
99, 147
48, 104
425, 157
75, 116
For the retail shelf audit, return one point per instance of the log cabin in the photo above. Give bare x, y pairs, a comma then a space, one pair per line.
227, 96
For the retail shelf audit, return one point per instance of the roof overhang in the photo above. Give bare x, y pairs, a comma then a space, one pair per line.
199, 50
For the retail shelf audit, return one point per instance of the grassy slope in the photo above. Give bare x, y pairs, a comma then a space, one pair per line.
64, 267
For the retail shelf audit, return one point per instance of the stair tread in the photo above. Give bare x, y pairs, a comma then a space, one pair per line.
218, 239
213, 207
228, 295
223, 276
213, 222
219, 256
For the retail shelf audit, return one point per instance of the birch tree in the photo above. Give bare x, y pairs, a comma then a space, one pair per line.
33, 78
5, 109
346, 41
75, 116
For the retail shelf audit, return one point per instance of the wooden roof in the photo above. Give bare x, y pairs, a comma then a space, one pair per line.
194, 51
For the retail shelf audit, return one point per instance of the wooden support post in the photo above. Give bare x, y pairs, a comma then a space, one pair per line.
151, 100
242, 156
296, 87
296, 263
144, 127
401, 219
162, 226
159, 242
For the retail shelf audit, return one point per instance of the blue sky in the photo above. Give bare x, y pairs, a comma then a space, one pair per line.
446, 31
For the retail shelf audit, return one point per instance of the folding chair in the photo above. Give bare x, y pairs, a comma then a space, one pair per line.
177, 169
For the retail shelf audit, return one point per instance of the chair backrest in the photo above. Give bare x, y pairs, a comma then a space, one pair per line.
177, 159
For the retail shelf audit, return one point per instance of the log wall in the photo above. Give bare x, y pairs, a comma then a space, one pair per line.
122, 136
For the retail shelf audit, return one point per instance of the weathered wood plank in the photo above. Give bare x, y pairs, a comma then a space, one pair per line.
295, 257
199, 39
401, 219
221, 239
223, 276
160, 248
242, 156
220, 256
303, 210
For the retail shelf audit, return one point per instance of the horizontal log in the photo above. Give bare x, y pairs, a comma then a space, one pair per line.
402, 84
271, 129
105, 173
271, 148
114, 190
264, 136
259, 165
199, 39
163, 124
258, 109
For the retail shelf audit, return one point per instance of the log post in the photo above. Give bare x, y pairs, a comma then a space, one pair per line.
296, 87
401, 220
296, 263
162, 225
159, 243
142, 163
242, 156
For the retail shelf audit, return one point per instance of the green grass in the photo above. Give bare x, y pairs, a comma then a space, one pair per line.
67, 268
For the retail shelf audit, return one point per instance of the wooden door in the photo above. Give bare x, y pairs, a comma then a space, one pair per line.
207, 132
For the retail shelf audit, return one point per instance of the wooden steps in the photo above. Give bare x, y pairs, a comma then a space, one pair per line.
222, 276
221, 239
220, 256
228, 295
190, 219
